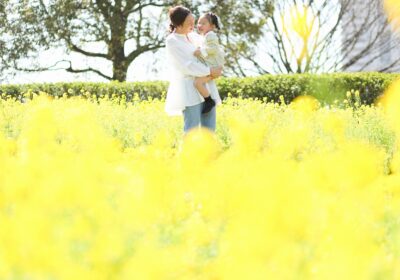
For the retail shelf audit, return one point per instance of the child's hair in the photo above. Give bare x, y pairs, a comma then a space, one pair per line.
213, 19
177, 16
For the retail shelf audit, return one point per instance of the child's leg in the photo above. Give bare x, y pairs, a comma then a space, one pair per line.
200, 82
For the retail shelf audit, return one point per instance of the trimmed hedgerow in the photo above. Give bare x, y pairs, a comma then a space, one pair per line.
325, 87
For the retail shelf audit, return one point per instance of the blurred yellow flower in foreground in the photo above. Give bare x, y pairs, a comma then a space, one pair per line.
392, 9
305, 103
390, 101
300, 20
103, 190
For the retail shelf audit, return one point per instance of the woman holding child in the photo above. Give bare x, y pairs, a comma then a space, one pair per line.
192, 90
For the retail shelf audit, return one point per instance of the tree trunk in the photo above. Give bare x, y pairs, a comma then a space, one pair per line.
120, 69
117, 45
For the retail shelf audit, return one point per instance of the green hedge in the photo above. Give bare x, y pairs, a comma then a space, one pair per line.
144, 90
325, 87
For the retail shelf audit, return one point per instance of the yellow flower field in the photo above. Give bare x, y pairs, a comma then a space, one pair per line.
108, 190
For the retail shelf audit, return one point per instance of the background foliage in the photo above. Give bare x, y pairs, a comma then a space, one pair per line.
325, 87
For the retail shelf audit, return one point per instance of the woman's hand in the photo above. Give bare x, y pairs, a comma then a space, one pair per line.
197, 53
216, 72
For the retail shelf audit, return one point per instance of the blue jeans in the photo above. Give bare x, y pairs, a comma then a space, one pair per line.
192, 117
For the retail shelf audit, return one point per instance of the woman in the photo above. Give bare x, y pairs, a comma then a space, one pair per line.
182, 96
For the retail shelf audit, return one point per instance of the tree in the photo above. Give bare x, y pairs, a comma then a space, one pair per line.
83, 27
2, 23
305, 36
262, 36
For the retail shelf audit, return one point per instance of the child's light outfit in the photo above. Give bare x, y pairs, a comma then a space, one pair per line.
211, 50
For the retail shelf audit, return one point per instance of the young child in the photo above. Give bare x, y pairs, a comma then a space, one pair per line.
210, 52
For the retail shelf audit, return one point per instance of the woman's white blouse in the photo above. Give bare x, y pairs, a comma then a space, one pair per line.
184, 67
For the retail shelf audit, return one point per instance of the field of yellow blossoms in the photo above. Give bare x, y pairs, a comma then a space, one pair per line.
103, 189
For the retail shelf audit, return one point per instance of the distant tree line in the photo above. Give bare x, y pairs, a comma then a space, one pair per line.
259, 37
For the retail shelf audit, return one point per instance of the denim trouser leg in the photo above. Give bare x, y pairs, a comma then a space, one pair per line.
192, 117
209, 120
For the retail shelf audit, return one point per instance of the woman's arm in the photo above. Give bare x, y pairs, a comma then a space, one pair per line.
184, 61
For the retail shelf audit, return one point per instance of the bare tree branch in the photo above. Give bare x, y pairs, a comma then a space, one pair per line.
144, 48
141, 6
89, 69
75, 48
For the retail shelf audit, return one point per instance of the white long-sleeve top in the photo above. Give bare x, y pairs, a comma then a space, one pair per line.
184, 67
